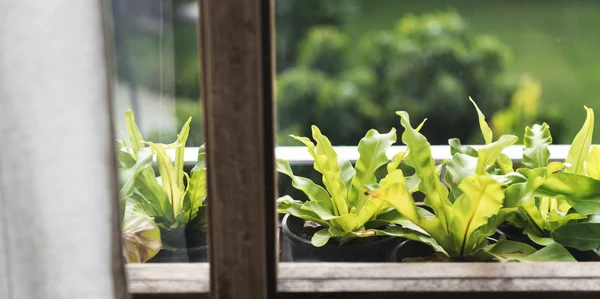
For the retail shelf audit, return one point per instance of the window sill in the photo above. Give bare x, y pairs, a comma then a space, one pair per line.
365, 277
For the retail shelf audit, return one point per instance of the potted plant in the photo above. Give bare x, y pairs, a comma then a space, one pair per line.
337, 222
174, 200
564, 205
466, 206
140, 234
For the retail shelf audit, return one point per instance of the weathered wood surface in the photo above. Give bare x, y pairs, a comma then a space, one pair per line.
168, 278
59, 230
335, 279
237, 72
439, 277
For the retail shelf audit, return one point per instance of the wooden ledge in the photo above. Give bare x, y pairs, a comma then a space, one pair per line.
168, 278
383, 277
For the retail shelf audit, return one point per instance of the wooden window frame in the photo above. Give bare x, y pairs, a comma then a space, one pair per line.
236, 41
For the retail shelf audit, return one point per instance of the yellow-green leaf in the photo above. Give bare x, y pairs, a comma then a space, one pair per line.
313, 191
592, 164
505, 163
485, 128
536, 140
482, 198
321, 237
372, 149
395, 162
488, 154
557, 219
169, 177
133, 132
179, 152
580, 147
419, 158
581, 192
326, 162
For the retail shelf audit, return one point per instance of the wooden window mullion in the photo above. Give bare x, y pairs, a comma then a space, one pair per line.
237, 73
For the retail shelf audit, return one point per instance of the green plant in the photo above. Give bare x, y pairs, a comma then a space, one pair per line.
467, 206
175, 200
564, 201
140, 234
341, 208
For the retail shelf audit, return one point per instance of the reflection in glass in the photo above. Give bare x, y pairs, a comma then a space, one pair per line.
156, 99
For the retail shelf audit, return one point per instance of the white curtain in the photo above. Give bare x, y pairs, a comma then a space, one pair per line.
59, 230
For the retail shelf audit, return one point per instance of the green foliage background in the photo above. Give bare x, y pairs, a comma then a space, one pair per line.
554, 41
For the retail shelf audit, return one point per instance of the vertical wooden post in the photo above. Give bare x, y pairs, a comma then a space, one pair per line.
237, 75
59, 218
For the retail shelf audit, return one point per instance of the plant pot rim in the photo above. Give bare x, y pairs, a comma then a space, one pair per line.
290, 234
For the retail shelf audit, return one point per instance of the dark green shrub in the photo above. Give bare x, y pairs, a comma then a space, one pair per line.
428, 65
294, 18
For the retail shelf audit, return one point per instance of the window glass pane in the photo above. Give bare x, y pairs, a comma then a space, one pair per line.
348, 66
163, 178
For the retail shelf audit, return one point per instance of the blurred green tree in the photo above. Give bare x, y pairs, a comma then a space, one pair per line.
428, 65
294, 18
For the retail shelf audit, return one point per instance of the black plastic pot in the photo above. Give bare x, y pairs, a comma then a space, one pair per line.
516, 234
190, 248
585, 256
410, 249
296, 246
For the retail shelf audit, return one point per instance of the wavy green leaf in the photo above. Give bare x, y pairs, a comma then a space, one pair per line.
488, 154
419, 158
506, 251
482, 198
394, 217
395, 162
196, 193
326, 162
536, 140
485, 129
581, 192
583, 236
543, 241
313, 191
505, 163
169, 177
372, 149
580, 147
133, 132
410, 234
320, 209
127, 176
347, 173
592, 163
456, 147
179, 152
461, 166
399, 157
557, 219
150, 198
287, 205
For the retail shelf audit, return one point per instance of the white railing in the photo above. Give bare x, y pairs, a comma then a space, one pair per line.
298, 155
